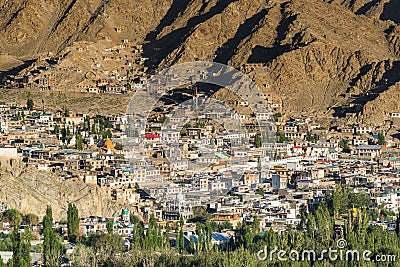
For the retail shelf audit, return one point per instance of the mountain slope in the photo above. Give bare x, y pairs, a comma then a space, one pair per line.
320, 57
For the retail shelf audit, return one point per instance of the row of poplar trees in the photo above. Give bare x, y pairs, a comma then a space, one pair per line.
53, 247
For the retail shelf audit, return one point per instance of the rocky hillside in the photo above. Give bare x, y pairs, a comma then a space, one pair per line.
29, 27
30, 191
319, 57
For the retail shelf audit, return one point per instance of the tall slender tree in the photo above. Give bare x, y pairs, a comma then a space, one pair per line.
72, 222
21, 248
167, 234
52, 247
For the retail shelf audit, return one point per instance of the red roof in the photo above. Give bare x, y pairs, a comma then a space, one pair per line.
297, 147
151, 136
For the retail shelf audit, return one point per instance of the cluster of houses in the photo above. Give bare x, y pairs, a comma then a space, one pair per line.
177, 161
167, 171
106, 68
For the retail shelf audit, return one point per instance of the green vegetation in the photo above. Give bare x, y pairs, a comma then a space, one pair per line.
311, 137
21, 247
260, 191
257, 141
13, 216
344, 199
29, 104
78, 141
107, 134
151, 245
66, 135
200, 215
118, 146
6, 244
381, 139
276, 116
52, 246
281, 138
344, 144
134, 219
110, 227
72, 222
56, 129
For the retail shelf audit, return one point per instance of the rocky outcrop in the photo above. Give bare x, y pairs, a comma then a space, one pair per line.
28, 27
30, 191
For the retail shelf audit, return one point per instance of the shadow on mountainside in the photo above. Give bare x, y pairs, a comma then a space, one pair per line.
391, 11
227, 50
17, 69
157, 49
390, 77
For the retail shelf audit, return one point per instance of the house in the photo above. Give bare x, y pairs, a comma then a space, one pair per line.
170, 136
395, 115
93, 224
225, 216
279, 182
74, 120
370, 151
363, 129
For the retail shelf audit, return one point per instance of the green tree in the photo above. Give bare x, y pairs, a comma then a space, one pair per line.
13, 216
134, 219
344, 144
281, 136
6, 244
309, 137
56, 129
398, 224
65, 111
86, 123
72, 222
200, 214
260, 191
110, 227
167, 234
181, 240
276, 116
381, 139
152, 236
257, 140
84, 256
30, 219
177, 239
256, 225
225, 225
107, 134
200, 234
208, 231
52, 247
181, 236
29, 104
21, 247
259, 166
107, 247
247, 237
118, 146
78, 142
191, 245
